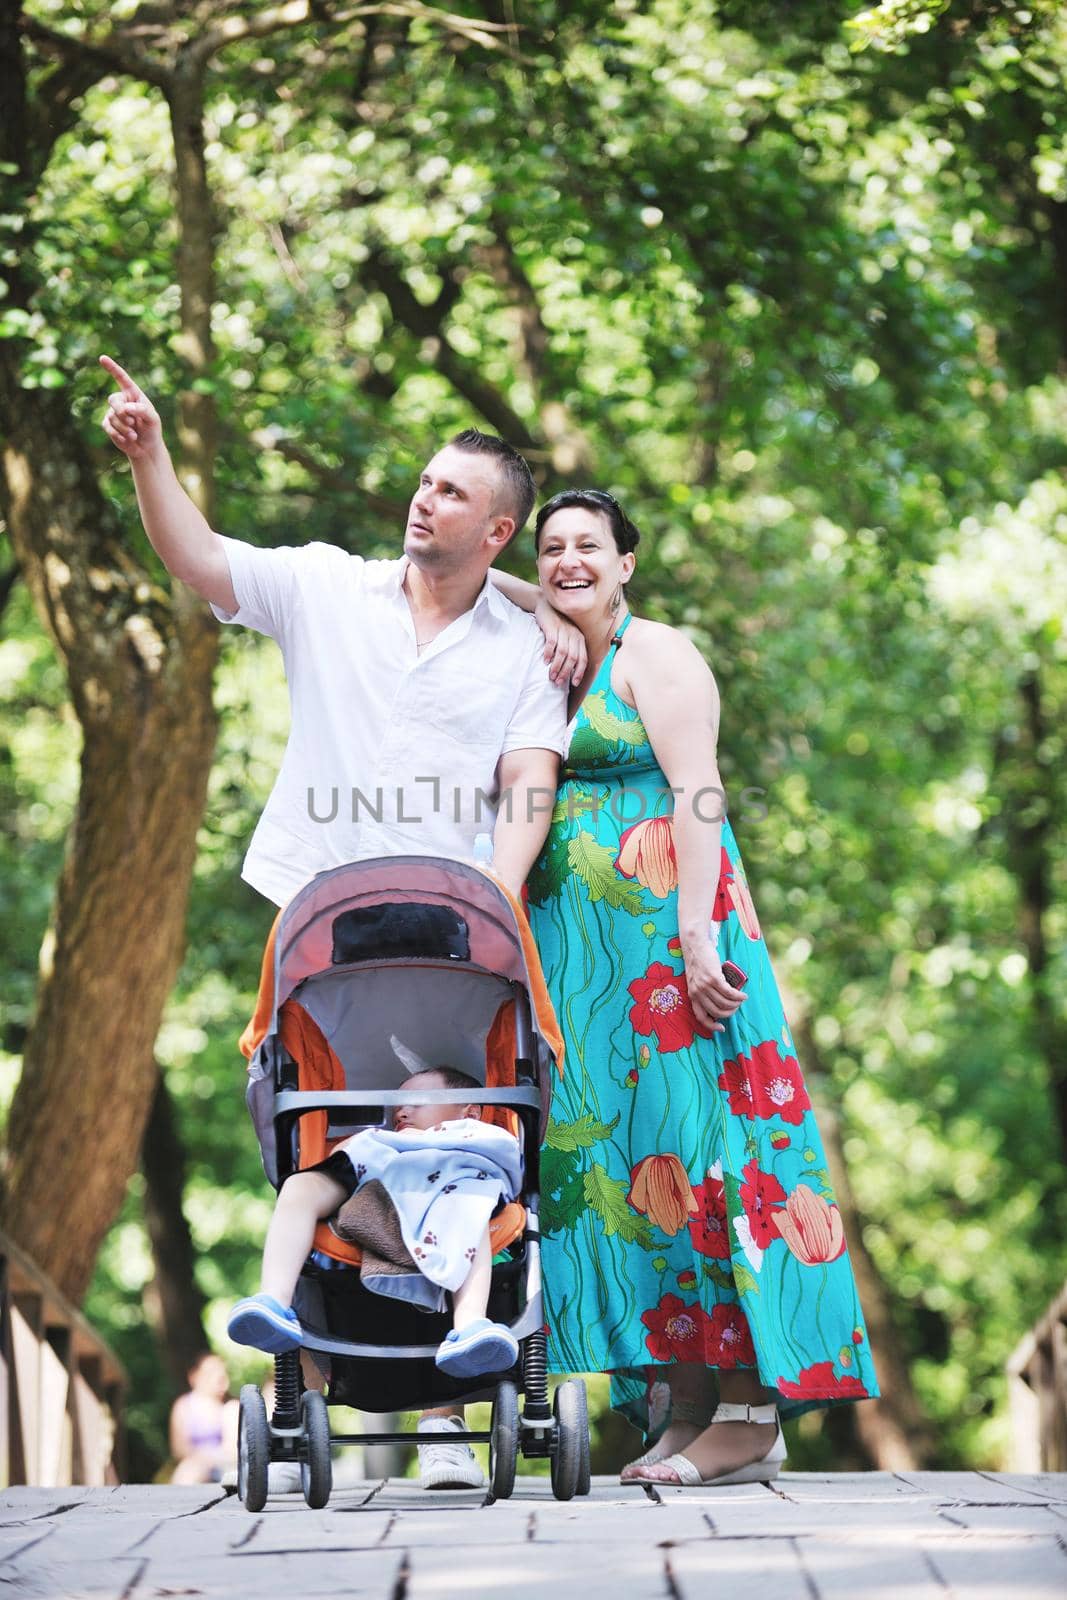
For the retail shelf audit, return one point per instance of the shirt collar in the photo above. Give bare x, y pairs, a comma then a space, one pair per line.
488, 595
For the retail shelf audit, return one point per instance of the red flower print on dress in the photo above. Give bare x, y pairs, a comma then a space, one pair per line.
660, 1190
811, 1227
732, 895
646, 852
709, 1229
735, 1080
820, 1382
761, 1196
765, 1084
677, 1332
731, 1339
662, 1006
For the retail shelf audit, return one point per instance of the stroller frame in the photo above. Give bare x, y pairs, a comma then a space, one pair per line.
298, 1430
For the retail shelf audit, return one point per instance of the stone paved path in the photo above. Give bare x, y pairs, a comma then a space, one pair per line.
913, 1536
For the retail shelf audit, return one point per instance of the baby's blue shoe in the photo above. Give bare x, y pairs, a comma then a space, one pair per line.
481, 1347
260, 1321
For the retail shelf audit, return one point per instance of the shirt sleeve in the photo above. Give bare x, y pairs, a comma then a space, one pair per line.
539, 720
268, 584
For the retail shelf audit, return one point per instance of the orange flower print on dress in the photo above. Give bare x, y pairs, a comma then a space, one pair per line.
646, 852
663, 1007
810, 1226
732, 895
661, 1191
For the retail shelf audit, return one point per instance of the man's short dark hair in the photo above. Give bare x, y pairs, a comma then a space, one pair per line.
453, 1078
518, 488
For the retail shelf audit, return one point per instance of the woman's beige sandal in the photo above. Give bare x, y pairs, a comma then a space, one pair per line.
687, 1474
696, 1414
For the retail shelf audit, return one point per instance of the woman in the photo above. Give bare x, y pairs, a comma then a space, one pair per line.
203, 1424
689, 1220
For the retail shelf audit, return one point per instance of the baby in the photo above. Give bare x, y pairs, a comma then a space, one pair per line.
475, 1345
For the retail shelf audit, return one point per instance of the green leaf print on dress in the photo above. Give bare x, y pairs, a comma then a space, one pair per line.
563, 1187
581, 1134
616, 730
607, 1197
595, 864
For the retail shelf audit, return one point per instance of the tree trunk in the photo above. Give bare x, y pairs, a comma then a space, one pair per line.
197, 412
1031, 822
139, 663
176, 1302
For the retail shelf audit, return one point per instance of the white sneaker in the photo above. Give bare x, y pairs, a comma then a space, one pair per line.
283, 1477
447, 1465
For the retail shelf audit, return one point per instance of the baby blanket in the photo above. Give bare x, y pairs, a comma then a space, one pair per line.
444, 1184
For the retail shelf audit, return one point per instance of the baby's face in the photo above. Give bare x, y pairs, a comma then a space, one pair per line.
429, 1116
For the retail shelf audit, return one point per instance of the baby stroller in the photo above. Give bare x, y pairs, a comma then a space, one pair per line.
436, 954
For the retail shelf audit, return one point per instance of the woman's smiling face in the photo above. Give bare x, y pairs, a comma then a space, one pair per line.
578, 562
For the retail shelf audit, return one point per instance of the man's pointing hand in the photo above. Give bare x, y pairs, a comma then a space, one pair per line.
131, 422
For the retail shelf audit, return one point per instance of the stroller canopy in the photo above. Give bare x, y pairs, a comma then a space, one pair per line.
302, 942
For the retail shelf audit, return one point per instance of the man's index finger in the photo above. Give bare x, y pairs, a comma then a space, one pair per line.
121, 377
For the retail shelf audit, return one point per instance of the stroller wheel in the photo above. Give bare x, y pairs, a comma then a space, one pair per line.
253, 1449
504, 1443
316, 1470
585, 1471
570, 1458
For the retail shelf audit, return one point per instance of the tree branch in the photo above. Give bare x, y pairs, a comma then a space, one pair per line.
295, 12
114, 53
336, 479
426, 323
8, 580
570, 449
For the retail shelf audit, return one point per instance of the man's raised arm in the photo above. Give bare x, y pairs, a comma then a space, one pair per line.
179, 534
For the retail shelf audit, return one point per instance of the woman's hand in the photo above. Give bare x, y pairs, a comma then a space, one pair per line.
564, 644
712, 998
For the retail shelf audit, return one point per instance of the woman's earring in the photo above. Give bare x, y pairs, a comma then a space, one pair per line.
616, 600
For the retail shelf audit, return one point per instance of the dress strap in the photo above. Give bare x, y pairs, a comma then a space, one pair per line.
616, 639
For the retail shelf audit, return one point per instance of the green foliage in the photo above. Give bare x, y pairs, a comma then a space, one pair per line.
787, 280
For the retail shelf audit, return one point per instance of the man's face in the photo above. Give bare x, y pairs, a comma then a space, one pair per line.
430, 1116
453, 520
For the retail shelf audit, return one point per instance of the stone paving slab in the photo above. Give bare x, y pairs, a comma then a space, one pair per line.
916, 1536
534, 1572
725, 1569
1026, 1519
1034, 1568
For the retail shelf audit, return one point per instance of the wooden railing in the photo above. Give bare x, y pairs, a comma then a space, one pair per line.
1037, 1384
61, 1388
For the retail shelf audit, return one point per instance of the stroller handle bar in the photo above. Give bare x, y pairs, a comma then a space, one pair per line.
322, 1099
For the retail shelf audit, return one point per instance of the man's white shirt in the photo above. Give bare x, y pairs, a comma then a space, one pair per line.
391, 751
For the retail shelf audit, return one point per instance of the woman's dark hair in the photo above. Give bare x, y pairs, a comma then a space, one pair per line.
623, 531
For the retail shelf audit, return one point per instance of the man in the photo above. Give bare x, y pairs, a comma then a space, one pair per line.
422, 708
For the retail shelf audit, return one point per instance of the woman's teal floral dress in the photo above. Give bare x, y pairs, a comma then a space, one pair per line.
686, 1204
